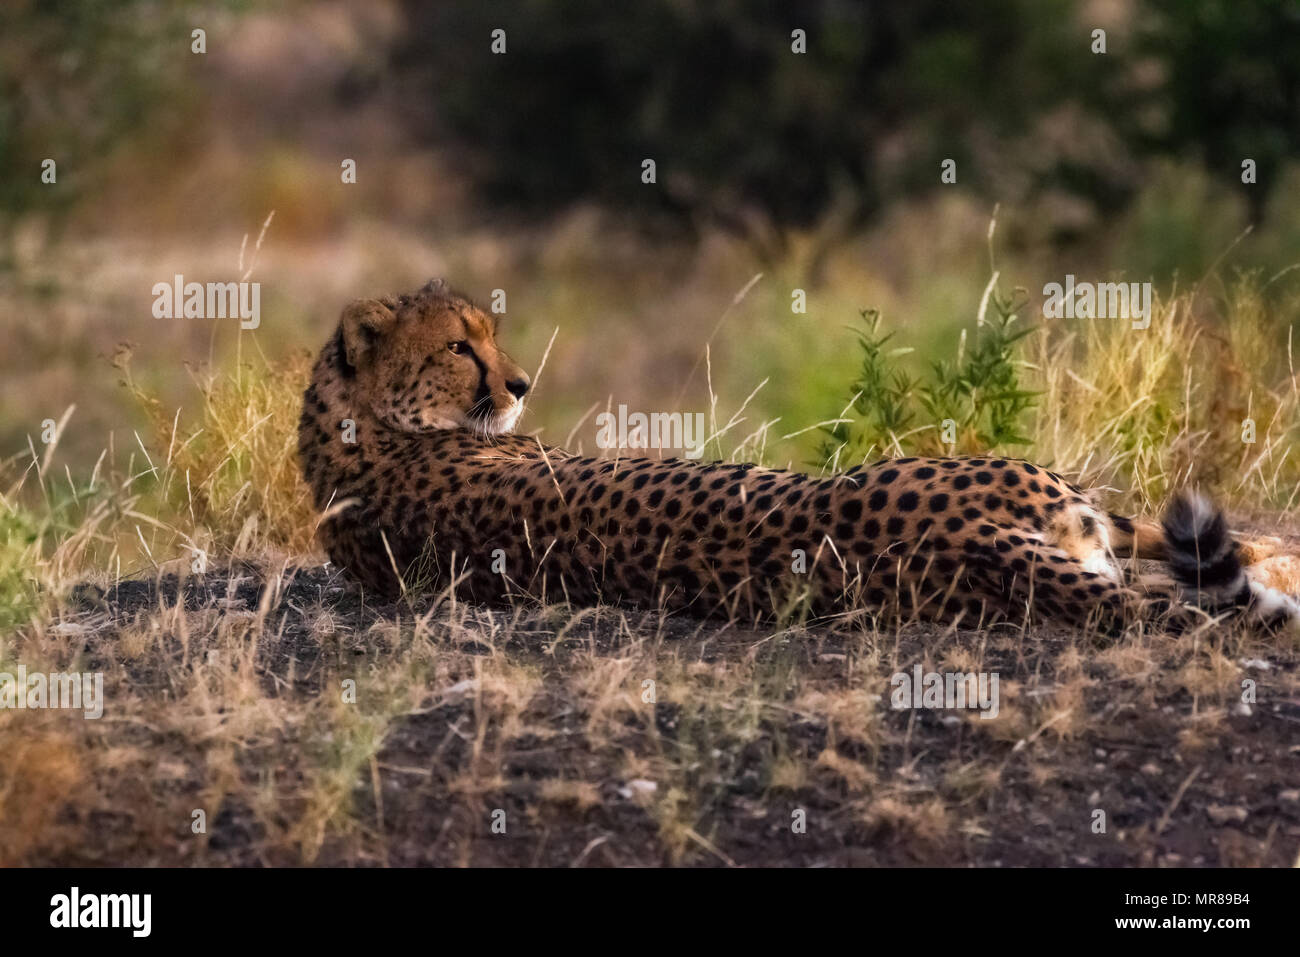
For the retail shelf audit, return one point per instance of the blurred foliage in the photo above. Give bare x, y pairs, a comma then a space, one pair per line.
1231, 87
744, 131
76, 77
751, 135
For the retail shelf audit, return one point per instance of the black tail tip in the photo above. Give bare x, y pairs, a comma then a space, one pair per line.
1193, 523
1203, 558
1202, 555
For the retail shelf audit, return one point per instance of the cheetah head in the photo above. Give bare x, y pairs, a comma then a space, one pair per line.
430, 361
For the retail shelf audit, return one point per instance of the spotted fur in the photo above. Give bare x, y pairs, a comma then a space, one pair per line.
436, 492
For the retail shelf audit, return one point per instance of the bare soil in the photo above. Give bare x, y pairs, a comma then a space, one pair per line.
541, 714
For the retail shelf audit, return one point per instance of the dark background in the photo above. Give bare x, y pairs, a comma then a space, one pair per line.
523, 172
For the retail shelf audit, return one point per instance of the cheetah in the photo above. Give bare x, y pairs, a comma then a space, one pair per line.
406, 442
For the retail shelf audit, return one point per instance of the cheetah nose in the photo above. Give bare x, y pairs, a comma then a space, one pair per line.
517, 387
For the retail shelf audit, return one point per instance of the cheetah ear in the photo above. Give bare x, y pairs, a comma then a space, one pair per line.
363, 322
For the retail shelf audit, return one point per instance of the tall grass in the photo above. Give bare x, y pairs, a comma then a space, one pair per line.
1208, 395
217, 485
231, 476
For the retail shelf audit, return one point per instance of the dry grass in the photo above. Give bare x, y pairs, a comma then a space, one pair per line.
1156, 409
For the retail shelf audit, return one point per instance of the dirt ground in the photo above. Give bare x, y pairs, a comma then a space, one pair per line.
527, 736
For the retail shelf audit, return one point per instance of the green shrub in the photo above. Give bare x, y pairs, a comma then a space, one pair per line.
972, 403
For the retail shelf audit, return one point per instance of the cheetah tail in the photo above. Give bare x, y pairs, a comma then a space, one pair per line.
1204, 559
1137, 538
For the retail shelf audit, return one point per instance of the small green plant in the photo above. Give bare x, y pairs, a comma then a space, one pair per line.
28, 536
882, 395
973, 403
20, 540
981, 392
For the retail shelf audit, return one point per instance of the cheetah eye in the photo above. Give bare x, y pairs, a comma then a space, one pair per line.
458, 348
